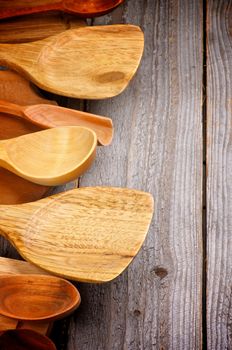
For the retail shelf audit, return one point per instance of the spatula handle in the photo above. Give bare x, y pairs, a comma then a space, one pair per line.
11, 8
11, 108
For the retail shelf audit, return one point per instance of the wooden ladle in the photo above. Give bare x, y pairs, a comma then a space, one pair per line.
89, 63
87, 234
50, 157
83, 8
25, 339
37, 297
48, 116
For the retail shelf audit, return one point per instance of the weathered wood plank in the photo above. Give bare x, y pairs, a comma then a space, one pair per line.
156, 304
219, 182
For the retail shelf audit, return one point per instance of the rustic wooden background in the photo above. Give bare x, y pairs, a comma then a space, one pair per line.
173, 138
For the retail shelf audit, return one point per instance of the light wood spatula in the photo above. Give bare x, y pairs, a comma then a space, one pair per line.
87, 234
83, 8
47, 116
89, 63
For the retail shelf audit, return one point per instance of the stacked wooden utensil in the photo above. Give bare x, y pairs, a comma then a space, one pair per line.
87, 234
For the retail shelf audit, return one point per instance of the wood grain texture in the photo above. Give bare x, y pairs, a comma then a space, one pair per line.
90, 234
219, 170
36, 27
61, 154
157, 147
82, 8
65, 64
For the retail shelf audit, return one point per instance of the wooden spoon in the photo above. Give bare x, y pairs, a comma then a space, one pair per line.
83, 8
50, 157
90, 62
47, 116
37, 297
12, 267
14, 88
86, 234
36, 27
25, 339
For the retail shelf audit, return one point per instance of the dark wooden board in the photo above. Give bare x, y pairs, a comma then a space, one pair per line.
219, 181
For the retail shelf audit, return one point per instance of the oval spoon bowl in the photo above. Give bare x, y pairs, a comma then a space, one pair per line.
50, 157
37, 297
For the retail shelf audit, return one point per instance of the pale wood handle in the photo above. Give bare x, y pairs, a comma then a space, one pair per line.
11, 108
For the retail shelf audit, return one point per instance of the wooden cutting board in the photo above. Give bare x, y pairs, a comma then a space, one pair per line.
36, 27
14, 88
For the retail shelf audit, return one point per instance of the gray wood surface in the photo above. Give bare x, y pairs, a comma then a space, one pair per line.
219, 182
156, 303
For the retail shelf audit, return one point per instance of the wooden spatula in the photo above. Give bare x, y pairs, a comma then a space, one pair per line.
36, 27
47, 116
83, 8
87, 234
90, 62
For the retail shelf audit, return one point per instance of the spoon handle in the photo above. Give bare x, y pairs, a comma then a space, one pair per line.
13, 8
11, 108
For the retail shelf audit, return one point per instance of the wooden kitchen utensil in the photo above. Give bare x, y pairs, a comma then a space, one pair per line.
37, 297
82, 8
25, 339
18, 267
47, 116
50, 157
7, 323
86, 234
12, 267
36, 27
91, 62
16, 89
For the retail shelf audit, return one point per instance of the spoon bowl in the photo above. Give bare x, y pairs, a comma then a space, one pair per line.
15, 267
25, 339
50, 157
37, 297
